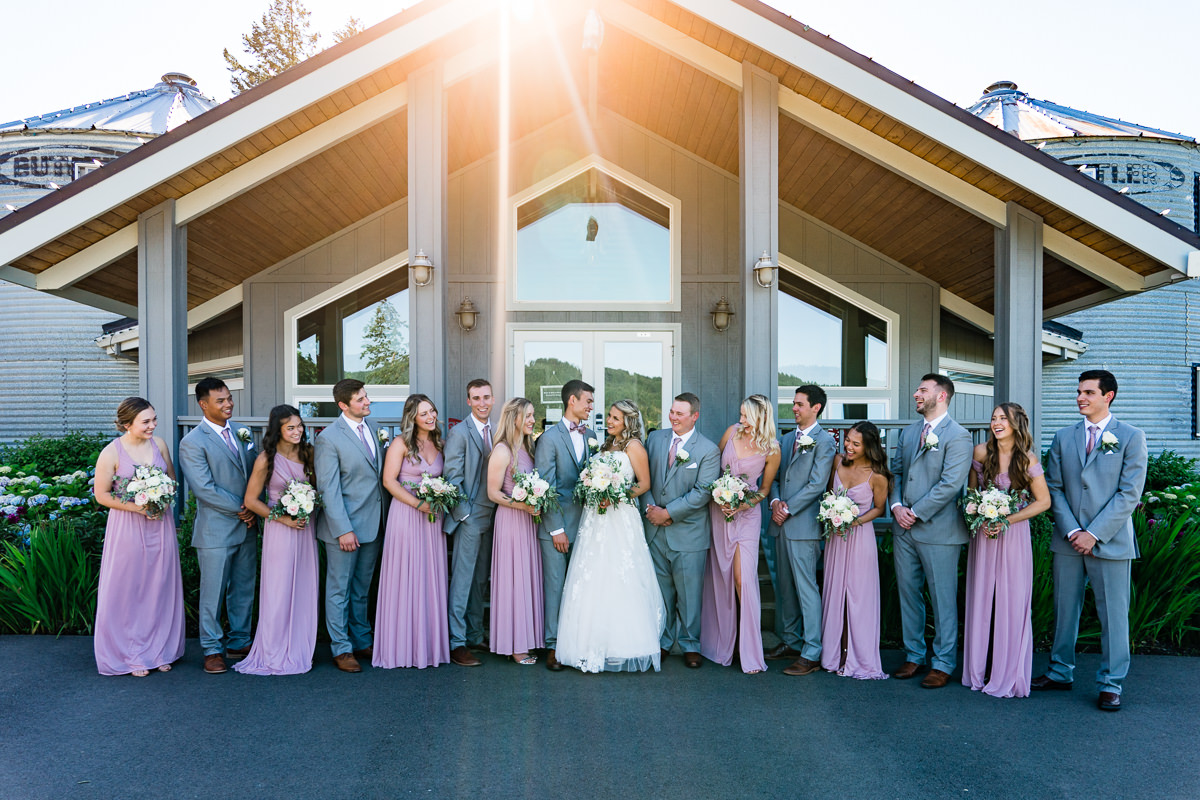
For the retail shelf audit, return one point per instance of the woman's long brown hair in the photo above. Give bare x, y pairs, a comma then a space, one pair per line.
1018, 465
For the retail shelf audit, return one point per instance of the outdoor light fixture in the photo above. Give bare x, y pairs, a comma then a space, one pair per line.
764, 270
421, 269
593, 32
468, 315
722, 314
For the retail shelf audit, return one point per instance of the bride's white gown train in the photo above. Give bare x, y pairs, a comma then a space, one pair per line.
612, 613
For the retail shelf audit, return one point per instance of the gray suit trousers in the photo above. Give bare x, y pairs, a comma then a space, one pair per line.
470, 569
229, 573
802, 612
347, 584
937, 565
554, 575
1110, 583
681, 579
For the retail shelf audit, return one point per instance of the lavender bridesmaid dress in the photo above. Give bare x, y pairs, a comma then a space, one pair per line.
287, 595
517, 616
411, 619
721, 624
139, 607
850, 603
999, 577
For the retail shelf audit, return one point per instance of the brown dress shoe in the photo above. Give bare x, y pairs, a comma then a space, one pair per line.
782, 651
552, 662
479, 647
1044, 682
346, 662
1109, 701
365, 653
692, 660
214, 664
238, 652
802, 666
906, 671
936, 679
464, 657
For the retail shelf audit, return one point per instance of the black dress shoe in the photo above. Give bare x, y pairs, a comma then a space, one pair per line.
692, 660
663, 653
1109, 701
1043, 682
782, 651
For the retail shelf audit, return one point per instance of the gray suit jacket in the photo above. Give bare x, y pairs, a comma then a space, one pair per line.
466, 468
218, 479
800, 482
554, 459
930, 482
1097, 492
678, 488
349, 482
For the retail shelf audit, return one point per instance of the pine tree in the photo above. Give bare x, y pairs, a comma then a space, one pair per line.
385, 348
280, 40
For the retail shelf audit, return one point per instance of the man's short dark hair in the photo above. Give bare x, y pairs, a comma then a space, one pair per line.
206, 385
478, 383
815, 395
575, 388
345, 389
943, 383
689, 398
1108, 381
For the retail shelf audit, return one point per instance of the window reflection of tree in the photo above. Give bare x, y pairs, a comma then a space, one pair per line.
327, 342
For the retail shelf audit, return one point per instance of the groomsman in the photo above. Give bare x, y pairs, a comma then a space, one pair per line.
216, 463
560, 455
468, 445
678, 528
803, 476
1096, 471
348, 463
932, 459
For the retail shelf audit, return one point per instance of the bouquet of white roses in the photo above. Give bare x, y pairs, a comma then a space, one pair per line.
989, 509
732, 491
149, 488
438, 492
602, 484
837, 512
298, 501
534, 490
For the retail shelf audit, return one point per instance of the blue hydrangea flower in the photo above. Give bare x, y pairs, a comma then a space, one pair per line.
39, 500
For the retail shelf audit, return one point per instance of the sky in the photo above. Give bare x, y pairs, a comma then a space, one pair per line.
1118, 59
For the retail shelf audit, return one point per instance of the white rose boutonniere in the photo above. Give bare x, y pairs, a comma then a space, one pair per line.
593, 445
1109, 443
682, 456
384, 436
245, 435
931, 443
805, 443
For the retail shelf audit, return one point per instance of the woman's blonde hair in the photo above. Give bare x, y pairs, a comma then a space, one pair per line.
633, 425
511, 429
760, 423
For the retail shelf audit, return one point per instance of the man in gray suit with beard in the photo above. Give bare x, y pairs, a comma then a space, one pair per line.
468, 446
932, 459
678, 528
1095, 471
348, 460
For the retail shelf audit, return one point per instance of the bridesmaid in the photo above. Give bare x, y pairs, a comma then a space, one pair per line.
998, 631
850, 608
516, 617
412, 616
750, 450
287, 596
139, 607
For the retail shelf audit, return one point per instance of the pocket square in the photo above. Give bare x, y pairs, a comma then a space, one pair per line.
692, 466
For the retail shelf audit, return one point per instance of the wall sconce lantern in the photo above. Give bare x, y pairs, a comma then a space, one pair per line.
421, 269
764, 270
468, 315
722, 314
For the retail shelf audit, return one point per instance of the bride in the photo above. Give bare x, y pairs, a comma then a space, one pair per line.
612, 613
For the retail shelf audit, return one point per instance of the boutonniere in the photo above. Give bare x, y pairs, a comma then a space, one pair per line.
383, 435
682, 456
806, 443
593, 445
1109, 443
931, 443
245, 435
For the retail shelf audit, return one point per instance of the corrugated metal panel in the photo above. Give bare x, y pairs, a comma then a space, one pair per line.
1149, 342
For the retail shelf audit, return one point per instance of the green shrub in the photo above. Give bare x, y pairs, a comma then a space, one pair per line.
1164, 599
1168, 469
48, 586
55, 456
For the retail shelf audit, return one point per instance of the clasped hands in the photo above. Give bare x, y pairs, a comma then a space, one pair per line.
904, 517
1083, 542
658, 516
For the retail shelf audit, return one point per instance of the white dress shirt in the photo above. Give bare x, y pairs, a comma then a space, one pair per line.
366, 432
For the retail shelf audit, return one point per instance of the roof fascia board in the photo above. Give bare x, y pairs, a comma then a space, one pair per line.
89, 260
691, 51
1088, 261
18, 276
97, 301
968, 311
211, 309
1081, 303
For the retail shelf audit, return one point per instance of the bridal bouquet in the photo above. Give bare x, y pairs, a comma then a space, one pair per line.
438, 492
534, 490
602, 483
732, 491
149, 488
837, 512
988, 509
298, 501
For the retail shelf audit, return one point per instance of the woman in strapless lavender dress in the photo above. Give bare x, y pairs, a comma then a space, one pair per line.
998, 630
139, 606
517, 615
850, 601
287, 595
731, 609
412, 616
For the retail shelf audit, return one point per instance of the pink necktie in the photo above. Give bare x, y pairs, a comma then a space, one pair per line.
487, 437
1091, 442
674, 449
363, 437
229, 441
924, 433
796, 444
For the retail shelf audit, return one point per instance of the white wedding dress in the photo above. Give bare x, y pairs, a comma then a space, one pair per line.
612, 613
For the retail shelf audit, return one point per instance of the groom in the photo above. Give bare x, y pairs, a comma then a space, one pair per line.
1095, 471
678, 529
560, 455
